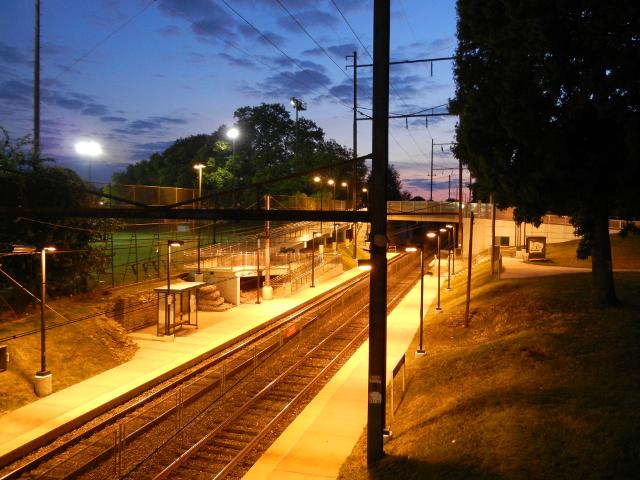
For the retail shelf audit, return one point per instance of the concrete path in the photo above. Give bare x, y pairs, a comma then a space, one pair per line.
516, 268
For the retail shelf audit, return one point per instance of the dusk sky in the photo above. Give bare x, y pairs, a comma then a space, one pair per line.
135, 75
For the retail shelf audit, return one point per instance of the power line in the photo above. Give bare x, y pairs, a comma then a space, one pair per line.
311, 37
274, 45
351, 28
104, 40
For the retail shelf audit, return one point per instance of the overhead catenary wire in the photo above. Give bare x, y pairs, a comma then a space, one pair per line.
293, 17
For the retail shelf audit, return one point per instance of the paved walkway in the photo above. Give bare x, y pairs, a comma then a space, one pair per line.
516, 268
44, 418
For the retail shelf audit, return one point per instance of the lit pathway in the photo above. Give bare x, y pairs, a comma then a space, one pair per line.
516, 268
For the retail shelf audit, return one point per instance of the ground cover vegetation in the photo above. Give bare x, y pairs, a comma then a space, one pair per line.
624, 253
549, 108
541, 385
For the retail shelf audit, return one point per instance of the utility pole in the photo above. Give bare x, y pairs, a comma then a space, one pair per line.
355, 149
431, 177
36, 84
378, 214
460, 225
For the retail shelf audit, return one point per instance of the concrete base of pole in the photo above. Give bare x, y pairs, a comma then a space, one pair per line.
438, 310
321, 249
420, 353
267, 292
199, 277
43, 384
168, 338
448, 289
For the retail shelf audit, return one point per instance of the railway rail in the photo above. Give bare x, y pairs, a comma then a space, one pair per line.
206, 421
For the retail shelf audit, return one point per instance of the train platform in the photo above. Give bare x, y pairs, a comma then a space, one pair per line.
318, 441
41, 421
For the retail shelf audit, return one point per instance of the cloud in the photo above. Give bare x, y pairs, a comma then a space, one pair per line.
18, 92
108, 118
95, 110
308, 18
337, 50
170, 31
149, 125
237, 61
12, 55
143, 151
294, 83
190, 8
215, 28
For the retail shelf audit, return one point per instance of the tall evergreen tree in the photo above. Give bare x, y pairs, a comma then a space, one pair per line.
549, 103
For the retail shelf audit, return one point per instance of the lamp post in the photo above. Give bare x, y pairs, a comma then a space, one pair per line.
199, 167
43, 377
449, 240
90, 149
167, 317
438, 308
420, 350
232, 134
331, 182
345, 185
313, 258
297, 105
318, 179
365, 194
258, 273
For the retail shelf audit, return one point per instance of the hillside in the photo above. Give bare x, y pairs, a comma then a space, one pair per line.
540, 386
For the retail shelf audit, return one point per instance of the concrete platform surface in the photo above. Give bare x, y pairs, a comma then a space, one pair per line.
155, 357
319, 440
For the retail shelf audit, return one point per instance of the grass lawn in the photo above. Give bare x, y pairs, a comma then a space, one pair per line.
540, 386
625, 253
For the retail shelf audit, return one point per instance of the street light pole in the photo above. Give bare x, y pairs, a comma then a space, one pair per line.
438, 308
317, 179
332, 182
449, 239
313, 258
199, 167
258, 273
420, 350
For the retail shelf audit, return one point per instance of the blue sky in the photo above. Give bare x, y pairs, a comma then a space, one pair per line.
135, 75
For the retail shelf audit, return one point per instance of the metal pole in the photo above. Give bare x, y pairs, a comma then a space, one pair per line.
166, 297
449, 258
438, 309
460, 224
258, 273
43, 347
313, 248
36, 85
420, 350
355, 149
267, 244
493, 234
378, 204
431, 177
466, 309
199, 206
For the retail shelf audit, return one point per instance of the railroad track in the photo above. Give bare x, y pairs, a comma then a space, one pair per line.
203, 423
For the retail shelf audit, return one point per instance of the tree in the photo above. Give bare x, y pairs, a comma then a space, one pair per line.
549, 108
27, 182
394, 185
270, 146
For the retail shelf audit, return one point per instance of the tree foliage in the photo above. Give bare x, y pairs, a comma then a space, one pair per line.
549, 107
27, 182
270, 146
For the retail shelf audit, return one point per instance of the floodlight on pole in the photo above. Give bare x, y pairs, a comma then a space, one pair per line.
90, 149
232, 134
318, 179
